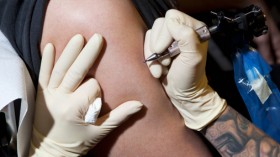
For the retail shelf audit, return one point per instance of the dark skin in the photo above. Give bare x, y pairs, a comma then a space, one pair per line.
123, 76
157, 130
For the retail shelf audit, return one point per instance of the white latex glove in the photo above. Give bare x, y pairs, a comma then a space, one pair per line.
63, 100
185, 83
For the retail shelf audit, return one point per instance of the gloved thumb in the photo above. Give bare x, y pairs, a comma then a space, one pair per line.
120, 114
112, 120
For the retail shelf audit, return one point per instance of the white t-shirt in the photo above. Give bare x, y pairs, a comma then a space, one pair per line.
16, 83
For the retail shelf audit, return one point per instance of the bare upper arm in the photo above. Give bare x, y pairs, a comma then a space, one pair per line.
157, 130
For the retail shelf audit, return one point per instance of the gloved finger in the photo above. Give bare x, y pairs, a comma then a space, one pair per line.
154, 66
187, 38
113, 119
68, 56
160, 39
160, 36
47, 64
86, 93
82, 64
183, 27
165, 61
193, 52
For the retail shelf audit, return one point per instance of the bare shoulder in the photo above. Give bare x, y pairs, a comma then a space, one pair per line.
157, 130
65, 18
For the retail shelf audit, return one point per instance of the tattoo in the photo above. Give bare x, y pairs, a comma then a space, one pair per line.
233, 135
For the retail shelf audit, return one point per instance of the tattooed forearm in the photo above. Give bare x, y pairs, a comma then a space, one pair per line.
233, 135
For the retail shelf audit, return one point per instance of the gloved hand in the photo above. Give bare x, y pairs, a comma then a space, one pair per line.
63, 100
185, 83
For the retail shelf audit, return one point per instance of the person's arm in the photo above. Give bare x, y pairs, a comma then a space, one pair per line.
66, 109
187, 86
233, 135
157, 130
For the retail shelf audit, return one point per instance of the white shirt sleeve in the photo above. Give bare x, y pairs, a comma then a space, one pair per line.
16, 83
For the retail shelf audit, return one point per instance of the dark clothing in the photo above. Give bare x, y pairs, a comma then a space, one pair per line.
21, 21
153, 9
